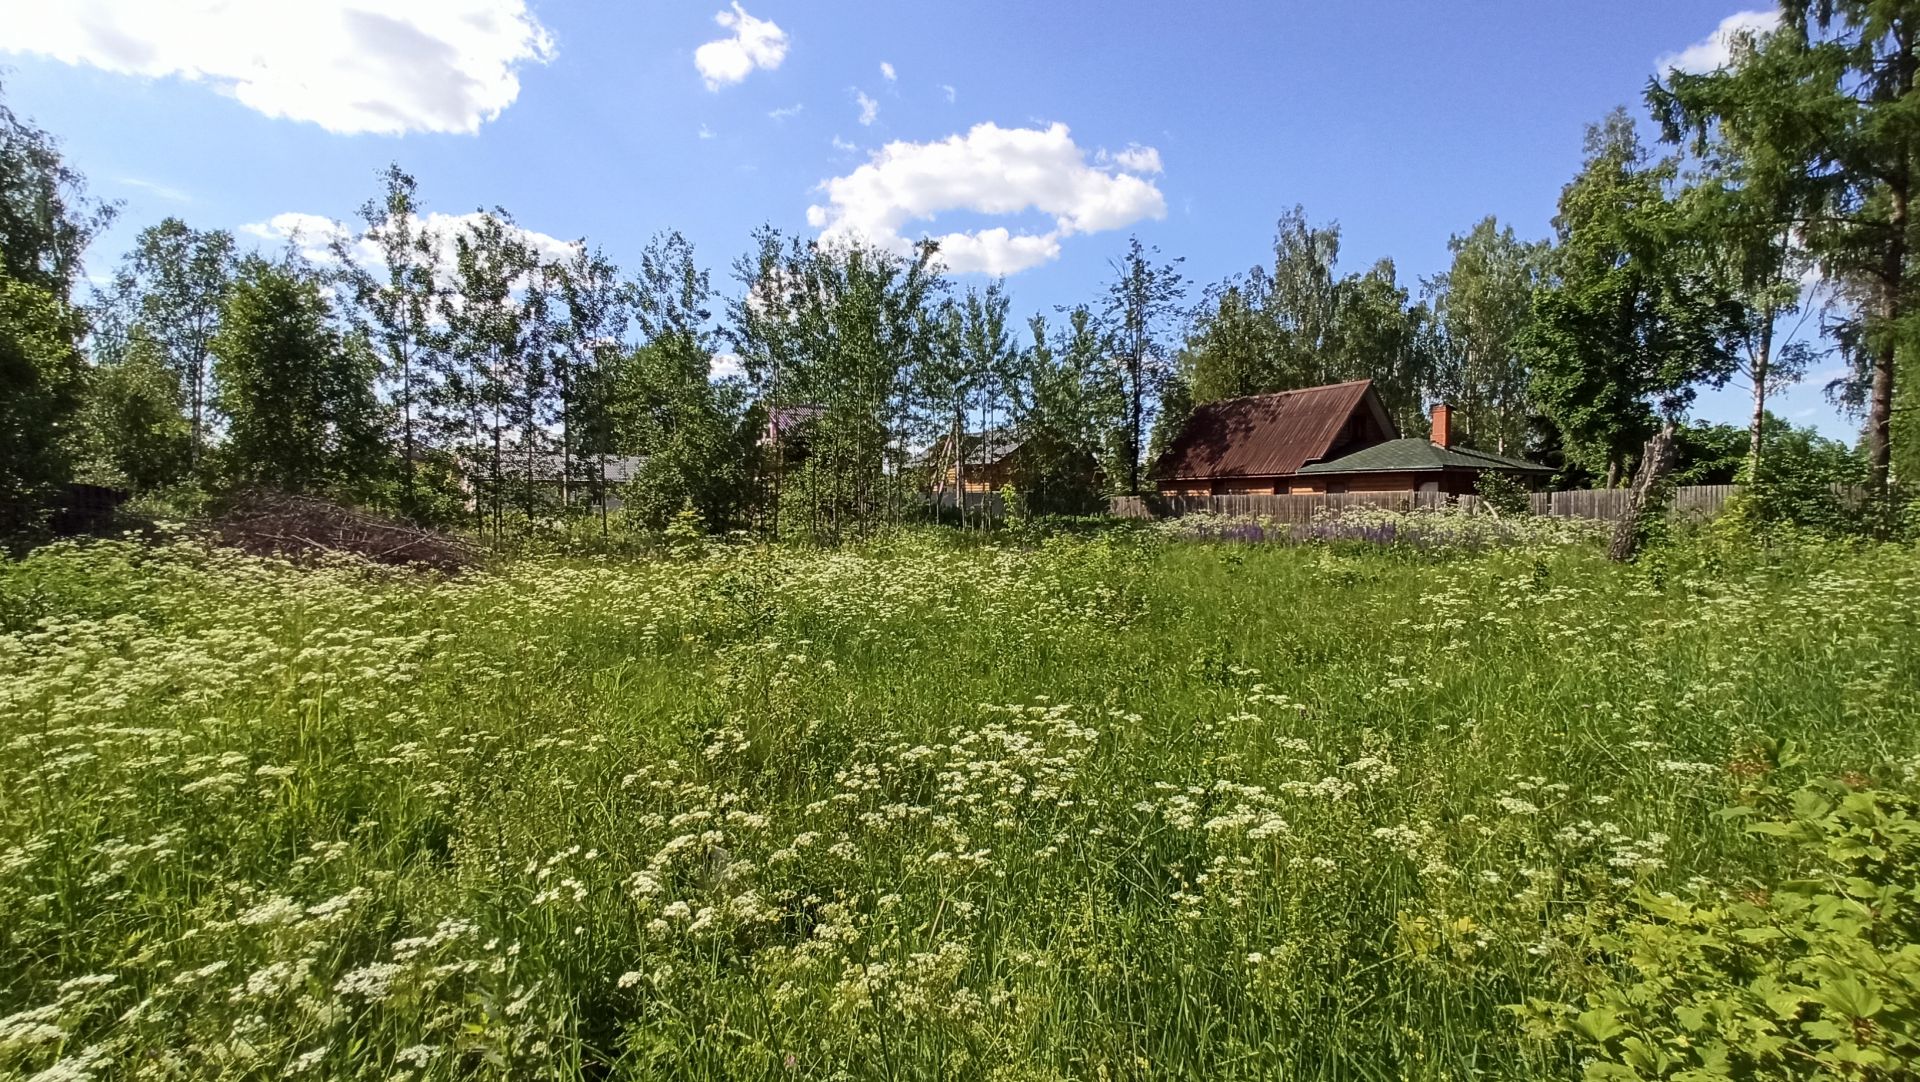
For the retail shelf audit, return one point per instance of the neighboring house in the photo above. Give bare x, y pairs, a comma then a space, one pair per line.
543, 472
1336, 438
787, 424
993, 459
987, 462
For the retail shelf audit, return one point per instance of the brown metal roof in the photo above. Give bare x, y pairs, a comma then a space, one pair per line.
1264, 435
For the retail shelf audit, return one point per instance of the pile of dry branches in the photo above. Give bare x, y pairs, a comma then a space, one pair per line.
302, 528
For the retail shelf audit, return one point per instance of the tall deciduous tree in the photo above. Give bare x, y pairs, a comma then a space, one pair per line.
685, 424
986, 346
1752, 237
597, 312
1270, 330
397, 300
46, 221
1301, 324
989, 358
40, 379
1482, 303
487, 361
1824, 111
1235, 347
1636, 320
171, 287
1378, 335
943, 385
134, 433
298, 395
832, 335
1070, 401
46, 217
1303, 296
1142, 306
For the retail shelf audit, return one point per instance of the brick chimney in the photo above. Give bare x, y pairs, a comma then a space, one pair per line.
1442, 424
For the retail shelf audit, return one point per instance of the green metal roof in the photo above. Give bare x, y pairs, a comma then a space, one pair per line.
1416, 455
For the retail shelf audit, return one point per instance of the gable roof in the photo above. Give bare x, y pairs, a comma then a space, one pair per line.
1266, 435
1414, 455
783, 421
982, 448
549, 465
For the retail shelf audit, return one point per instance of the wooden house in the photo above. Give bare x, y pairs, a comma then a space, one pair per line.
989, 461
1336, 438
985, 463
555, 480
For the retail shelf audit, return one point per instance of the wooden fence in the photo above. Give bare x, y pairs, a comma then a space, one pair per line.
1694, 501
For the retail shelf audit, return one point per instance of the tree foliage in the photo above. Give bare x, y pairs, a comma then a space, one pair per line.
40, 383
46, 217
1482, 305
489, 361
1636, 321
135, 436
1068, 401
829, 337
1301, 324
1822, 112
301, 415
46, 221
1142, 304
169, 293
690, 428
396, 304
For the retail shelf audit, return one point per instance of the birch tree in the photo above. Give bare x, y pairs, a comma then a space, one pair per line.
1142, 306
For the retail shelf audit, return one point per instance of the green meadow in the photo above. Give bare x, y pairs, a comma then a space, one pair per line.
1108, 806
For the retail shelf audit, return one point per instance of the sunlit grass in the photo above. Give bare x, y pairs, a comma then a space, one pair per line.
1093, 808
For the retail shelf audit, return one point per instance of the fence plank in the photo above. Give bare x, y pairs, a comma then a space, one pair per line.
1607, 505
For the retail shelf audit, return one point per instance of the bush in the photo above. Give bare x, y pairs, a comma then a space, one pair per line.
1815, 974
1504, 493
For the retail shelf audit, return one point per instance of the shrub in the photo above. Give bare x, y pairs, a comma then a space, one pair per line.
1503, 493
1814, 974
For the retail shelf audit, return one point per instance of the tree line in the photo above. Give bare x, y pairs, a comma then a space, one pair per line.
460, 374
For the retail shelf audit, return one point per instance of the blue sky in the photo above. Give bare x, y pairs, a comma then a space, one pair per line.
1193, 125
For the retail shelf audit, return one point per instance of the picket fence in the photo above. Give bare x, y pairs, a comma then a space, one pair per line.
1607, 504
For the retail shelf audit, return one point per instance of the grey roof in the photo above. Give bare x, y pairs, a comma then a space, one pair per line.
547, 466
990, 446
1414, 455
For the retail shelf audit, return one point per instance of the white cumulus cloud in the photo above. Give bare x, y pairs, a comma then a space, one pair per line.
349, 66
869, 109
1715, 51
755, 43
725, 366
991, 171
886, 71
1135, 159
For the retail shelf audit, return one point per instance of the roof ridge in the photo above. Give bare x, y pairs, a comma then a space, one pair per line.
1283, 394
1494, 456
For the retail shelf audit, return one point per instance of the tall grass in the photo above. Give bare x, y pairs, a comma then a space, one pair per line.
1106, 807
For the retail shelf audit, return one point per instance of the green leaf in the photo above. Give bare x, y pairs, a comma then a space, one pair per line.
1599, 1025
1850, 997
1785, 1005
